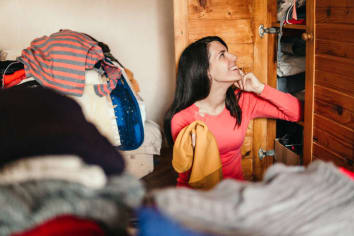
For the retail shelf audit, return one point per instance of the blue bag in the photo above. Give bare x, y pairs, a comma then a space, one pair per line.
128, 116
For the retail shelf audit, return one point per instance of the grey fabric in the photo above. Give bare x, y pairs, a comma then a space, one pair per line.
27, 204
318, 200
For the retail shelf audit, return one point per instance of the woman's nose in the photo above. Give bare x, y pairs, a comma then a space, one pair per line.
232, 57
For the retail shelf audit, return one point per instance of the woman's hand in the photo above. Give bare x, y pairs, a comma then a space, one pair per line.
249, 83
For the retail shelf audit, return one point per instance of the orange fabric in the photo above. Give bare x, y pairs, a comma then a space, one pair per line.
195, 148
133, 82
14, 78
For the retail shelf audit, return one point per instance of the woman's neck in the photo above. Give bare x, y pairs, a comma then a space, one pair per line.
214, 104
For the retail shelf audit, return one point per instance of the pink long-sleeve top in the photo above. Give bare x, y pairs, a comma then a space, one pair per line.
271, 103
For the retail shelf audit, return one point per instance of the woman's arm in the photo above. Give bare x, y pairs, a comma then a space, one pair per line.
268, 102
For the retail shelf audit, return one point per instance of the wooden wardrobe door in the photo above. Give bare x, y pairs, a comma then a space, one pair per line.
237, 22
333, 83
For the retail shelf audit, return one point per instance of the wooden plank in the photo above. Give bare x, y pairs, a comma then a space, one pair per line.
246, 149
285, 155
334, 3
336, 32
338, 65
232, 31
324, 154
261, 134
247, 168
336, 98
342, 83
180, 26
335, 48
345, 134
309, 81
247, 154
291, 26
330, 142
244, 53
271, 78
332, 111
219, 9
335, 15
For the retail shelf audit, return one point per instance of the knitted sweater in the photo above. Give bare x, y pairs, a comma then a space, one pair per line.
318, 200
60, 60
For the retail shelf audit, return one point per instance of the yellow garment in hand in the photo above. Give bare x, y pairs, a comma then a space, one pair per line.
203, 158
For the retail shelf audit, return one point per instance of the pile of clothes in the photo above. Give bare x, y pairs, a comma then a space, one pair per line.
60, 62
57, 172
297, 200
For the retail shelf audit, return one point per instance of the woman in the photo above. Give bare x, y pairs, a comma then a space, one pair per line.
211, 88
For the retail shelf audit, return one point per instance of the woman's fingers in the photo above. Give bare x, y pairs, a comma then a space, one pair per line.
239, 84
241, 72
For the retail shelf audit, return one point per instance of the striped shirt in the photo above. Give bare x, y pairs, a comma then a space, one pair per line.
60, 60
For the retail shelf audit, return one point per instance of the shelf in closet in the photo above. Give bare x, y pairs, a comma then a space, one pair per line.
290, 26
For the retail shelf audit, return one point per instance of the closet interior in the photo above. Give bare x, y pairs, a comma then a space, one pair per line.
290, 59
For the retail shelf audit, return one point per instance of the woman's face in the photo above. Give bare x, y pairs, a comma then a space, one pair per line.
222, 64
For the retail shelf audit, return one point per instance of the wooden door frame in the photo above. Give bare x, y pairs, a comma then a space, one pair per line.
264, 130
309, 82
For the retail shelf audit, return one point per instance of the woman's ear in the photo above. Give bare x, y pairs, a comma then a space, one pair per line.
209, 76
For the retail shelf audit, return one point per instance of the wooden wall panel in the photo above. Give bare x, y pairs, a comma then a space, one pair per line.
232, 31
335, 113
336, 32
180, 18
333, 143
335, 81
219, 9
335, 48
336, 65
343, 133
244, 53
338, 99
334, 14
321, 153
334, 3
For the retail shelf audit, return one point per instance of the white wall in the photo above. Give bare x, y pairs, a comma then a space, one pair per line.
139, 33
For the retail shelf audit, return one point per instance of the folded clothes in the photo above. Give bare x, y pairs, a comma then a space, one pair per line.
61, 167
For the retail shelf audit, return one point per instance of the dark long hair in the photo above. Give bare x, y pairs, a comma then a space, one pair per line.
193, 83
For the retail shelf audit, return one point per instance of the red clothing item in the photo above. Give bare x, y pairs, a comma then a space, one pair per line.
346, 172
14, 78
65, 225
271, 103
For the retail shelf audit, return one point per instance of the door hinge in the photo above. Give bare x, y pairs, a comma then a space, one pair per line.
262, 30
263, 153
